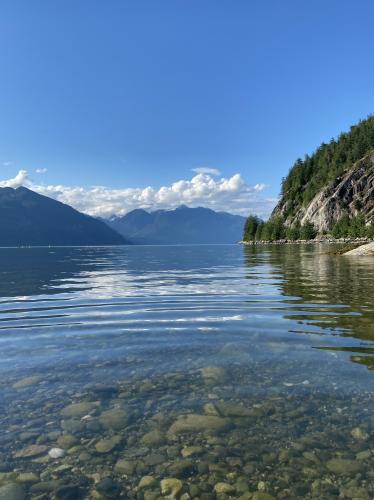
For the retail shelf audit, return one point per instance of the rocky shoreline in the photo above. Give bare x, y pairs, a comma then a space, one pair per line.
319, 240
362, 250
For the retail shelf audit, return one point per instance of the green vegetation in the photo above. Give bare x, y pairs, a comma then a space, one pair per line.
352, 227
274, 229
307, 177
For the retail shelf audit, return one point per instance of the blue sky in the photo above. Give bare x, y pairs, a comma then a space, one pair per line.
130, 94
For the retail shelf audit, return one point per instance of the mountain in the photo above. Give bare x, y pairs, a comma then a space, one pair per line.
179, 226
28, 218
330, 192
350, 194
336, 181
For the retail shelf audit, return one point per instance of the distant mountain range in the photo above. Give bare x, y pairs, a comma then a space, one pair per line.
180, 226
28, 218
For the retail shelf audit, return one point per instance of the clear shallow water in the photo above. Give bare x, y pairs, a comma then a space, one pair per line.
276, 343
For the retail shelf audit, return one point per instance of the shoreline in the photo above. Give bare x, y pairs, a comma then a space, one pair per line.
317, 240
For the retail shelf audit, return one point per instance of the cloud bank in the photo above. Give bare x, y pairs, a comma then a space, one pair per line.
224, 194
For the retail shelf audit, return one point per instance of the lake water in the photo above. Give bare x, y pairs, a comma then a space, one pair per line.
188, 372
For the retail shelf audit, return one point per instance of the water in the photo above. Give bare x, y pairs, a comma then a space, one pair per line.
270, 349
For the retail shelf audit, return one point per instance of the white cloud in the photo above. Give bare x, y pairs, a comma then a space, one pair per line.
19, 180
259, 187
41, 170
7, 163
206, 170
225, 194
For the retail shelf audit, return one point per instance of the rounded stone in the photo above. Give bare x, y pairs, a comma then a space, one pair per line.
12, 491
171, 486
226, 488
124, 466
26, 382
28, 477
153, 438
198, 423
77, 409
115, 418
107, 445
56, 453
31, 451
343, 466
146, 482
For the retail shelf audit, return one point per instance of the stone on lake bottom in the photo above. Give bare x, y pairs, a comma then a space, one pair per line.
77, 409
31, 451
12, 491
107, 445
27, 382
343, 466
115, 419
226, 488
198, 423
146, 482
56, 453
171, 486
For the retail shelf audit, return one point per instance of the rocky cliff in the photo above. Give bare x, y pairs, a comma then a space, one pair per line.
351, 193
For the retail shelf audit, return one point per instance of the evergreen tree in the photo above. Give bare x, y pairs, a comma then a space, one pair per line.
307, 177
250, 228
293, 232
308, 231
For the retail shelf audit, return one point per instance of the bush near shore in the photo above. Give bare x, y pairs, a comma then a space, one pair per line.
274, 230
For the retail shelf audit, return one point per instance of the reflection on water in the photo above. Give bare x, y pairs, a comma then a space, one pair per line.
189, 372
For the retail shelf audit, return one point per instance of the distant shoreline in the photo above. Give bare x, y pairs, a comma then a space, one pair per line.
301, 242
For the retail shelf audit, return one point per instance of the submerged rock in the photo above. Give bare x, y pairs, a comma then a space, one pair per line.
146, 482
115, 419
77, 409
182, 469
213, 374
261, 495
226, 488
153, 438
26, 382
343, 466
34, 450
198, 423
12, 491
192, 451
124, 466
107, 445
56, 453
66, 441
171, 487
358, 434
232, 410
28, 477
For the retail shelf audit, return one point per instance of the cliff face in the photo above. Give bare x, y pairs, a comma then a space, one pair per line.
349, 194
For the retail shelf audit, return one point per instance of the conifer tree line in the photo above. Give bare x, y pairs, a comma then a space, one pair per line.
306, 178
274, 229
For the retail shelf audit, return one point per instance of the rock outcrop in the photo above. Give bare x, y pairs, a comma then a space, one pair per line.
363, 250
350, 194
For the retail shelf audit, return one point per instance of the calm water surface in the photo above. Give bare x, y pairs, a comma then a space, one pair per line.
237, 373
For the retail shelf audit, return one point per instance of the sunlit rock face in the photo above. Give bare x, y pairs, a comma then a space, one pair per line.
351, 193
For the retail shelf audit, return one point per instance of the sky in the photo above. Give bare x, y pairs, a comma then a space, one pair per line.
115, 105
